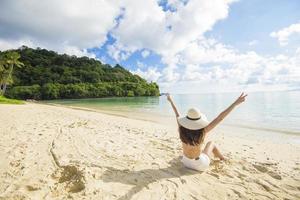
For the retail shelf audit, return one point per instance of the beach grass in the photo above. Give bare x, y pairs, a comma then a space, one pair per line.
4, 100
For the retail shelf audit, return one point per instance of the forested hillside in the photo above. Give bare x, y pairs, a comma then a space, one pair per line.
49, 75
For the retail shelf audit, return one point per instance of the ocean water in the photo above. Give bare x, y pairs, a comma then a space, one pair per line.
271, 111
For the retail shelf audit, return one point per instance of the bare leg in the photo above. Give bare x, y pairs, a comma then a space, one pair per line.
211, 148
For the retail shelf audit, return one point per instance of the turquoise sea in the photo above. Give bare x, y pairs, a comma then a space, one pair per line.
273, 111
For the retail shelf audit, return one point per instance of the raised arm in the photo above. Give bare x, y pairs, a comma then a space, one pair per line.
173, 105
223, 114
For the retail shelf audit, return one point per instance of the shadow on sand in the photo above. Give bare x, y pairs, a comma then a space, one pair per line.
142, 178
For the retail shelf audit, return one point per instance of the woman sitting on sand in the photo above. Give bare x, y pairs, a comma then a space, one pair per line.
193, 129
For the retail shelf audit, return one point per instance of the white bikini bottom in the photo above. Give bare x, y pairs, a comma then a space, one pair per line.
200, 164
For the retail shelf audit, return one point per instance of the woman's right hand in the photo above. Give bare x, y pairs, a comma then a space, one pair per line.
240, 99
223, 114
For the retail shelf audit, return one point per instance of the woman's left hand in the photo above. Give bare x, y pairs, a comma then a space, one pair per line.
169, 97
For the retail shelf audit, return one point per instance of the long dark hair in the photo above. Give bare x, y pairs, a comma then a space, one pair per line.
191, 137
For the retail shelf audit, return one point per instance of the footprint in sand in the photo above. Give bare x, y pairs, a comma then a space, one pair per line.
260, 168
237, 193
266, 187
32, 187
183, 181
290, 187
263, 169
73, 177
214, 175
274, 175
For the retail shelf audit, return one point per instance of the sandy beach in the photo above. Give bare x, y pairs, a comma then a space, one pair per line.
52, 152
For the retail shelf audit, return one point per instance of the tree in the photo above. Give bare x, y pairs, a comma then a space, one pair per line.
139, 91
25, 92
63, 76
130, 93
8, 60
50, 91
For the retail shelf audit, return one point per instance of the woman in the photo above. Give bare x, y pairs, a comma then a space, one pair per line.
193, 129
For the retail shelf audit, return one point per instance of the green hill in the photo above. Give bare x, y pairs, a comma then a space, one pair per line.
49, 75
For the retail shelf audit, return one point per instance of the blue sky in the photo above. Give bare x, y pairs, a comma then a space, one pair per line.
131, 62
248, 20
187, 46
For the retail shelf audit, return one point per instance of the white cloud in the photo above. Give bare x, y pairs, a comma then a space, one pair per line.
146, 25
176, 35
119, 52
150, 74
141, 65
212, 62
169, 74
72, 50
70, 25
253, 43
174, 4
145, 53
284, 34
13, 44
298, 51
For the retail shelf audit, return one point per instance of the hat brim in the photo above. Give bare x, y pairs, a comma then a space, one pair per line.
193, 124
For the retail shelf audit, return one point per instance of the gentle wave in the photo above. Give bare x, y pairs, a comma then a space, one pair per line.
269, 111
285, 131
165, 120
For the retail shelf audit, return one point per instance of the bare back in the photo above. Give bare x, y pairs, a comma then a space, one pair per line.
192, 151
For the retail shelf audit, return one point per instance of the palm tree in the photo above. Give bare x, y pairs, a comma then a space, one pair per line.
2, 73
8, 60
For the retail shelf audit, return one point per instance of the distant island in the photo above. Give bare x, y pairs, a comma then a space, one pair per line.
48, 75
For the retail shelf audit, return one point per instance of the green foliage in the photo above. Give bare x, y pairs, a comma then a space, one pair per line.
81, 90
50, 91
4, 100
8, 60
139, 91
130, 93
48, 75
25, 92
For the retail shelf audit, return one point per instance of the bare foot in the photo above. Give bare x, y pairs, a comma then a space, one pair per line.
223, 159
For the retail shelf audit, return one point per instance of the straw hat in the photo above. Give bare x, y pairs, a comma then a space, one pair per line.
194, 120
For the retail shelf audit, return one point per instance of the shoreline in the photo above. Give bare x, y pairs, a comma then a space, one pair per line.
123, 114
107, 112
56, 152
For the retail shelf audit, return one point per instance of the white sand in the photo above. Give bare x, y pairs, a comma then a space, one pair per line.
49, 152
